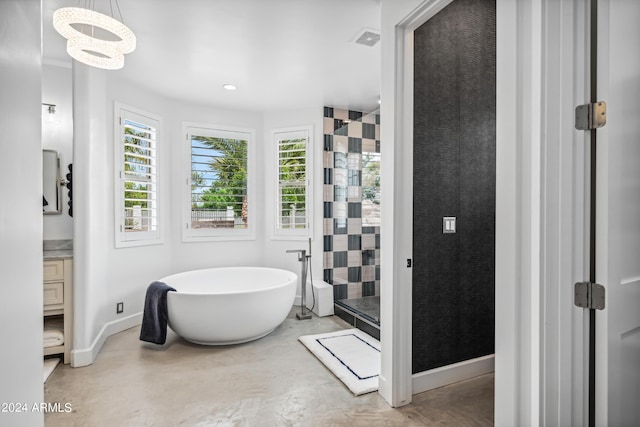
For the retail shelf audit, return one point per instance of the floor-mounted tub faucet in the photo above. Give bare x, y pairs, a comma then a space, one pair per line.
304, 259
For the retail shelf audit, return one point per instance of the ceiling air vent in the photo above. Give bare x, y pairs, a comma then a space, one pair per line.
368, 38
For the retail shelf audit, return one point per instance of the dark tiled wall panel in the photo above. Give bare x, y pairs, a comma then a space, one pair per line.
454, 175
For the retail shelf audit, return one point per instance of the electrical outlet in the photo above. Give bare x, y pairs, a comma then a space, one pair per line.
119, 307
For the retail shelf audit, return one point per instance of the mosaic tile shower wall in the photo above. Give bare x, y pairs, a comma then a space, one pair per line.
351, 242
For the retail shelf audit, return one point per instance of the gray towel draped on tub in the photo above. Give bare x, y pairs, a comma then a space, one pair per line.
155, 316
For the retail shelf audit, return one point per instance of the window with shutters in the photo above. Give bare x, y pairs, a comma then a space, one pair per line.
218, 176
136, 159
293, 174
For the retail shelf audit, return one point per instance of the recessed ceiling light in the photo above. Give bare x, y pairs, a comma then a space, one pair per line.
229, 86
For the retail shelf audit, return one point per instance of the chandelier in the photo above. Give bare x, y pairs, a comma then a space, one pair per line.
78, 25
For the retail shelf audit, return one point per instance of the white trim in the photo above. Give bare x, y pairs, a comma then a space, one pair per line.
533, 205
396, 298
397, 204
564, 215
607, 248
421, 14
139, 238
86, 356
445, 375
507, 374
305, 131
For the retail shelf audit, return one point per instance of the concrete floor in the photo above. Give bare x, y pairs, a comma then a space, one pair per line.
274, 381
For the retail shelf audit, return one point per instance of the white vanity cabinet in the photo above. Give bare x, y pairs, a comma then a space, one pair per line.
58, 304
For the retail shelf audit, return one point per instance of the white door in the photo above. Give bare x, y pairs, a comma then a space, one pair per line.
618, 215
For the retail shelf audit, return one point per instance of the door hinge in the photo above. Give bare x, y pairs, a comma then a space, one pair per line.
591, 116
589, 295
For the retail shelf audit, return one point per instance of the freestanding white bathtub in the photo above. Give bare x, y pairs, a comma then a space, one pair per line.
231, 305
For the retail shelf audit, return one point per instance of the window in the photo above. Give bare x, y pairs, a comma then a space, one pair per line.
293, 203
371, 189
136, 160
219, 204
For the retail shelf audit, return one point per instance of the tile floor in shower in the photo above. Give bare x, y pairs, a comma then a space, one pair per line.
363, 313
273, 381
367, 307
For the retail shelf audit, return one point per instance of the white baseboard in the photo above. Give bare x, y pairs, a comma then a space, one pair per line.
86, 356
445, 375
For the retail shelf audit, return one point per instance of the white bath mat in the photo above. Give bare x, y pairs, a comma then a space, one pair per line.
49, 366
352, 355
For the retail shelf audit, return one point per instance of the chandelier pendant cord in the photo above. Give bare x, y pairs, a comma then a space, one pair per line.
91, 5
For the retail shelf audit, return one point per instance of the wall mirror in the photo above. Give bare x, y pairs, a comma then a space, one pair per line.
51, 183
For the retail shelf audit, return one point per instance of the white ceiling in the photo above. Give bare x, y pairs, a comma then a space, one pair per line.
281, 54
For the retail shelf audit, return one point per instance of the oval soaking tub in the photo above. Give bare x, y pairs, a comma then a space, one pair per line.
230, 305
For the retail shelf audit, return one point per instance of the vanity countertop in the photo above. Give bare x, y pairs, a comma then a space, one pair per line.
57, 254
56, 249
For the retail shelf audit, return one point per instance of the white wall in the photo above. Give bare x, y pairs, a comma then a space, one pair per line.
105, 275
58, 135
274, 247
21, 210
91, 201
187, 256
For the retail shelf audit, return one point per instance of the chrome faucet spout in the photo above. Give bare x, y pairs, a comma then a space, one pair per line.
301, 253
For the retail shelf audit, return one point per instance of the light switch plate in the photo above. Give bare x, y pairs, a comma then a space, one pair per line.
449, 224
